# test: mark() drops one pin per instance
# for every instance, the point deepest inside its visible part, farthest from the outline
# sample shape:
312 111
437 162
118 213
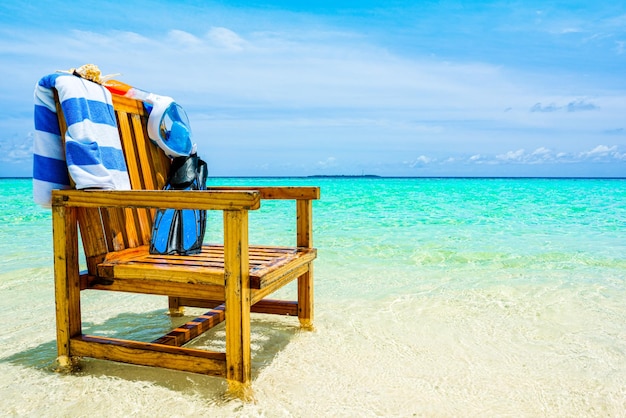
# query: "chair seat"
267 265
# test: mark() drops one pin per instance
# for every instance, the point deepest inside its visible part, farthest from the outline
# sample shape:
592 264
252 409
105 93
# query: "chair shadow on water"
269 335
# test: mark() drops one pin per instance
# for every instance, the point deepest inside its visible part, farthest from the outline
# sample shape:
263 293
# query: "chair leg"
238 355
305 299
237 304
66 284
175 308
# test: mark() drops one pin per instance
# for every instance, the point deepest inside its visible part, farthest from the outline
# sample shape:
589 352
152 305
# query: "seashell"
89 72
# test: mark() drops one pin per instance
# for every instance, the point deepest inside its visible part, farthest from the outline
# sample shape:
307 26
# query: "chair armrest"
303 195
241 199
278 192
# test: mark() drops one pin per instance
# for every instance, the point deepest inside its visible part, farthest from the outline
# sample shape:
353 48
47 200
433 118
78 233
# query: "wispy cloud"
579 105
330 162
542 155
16 149
422 160
226 38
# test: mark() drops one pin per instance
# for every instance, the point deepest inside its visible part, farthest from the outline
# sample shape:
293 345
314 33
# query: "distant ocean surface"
433 297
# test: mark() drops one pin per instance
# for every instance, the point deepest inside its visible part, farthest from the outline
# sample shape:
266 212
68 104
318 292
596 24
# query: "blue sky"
395 88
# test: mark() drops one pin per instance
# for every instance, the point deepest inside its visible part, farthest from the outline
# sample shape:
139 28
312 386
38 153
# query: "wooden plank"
278 192
138 222
269 276
304 210
265 306
237 295
93 237
128 105
164 273
201 302
276 307
259 294
176 199
131 228
192 329
114 227
160 162
204 268
153 287
149 354
127 139
306 298
304 223
66 280
153 172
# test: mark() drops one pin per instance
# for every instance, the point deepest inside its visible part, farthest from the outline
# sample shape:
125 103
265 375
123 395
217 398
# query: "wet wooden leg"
236 271
305 299
175 309
66 283
304 211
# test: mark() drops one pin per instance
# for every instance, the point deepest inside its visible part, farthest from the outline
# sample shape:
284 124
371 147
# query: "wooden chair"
231 280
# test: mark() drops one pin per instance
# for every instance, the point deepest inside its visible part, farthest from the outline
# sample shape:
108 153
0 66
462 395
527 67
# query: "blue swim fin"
181 231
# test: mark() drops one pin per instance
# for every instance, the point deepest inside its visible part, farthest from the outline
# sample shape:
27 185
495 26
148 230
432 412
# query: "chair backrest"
106 230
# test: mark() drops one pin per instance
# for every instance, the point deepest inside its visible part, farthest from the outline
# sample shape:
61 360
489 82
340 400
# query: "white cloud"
542 151
226 38
420 161
512 156
541 155
600 150
184 38
15 149
327 163
603 153
132 38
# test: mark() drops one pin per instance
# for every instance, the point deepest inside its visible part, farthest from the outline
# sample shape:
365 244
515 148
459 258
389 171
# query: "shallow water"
434 297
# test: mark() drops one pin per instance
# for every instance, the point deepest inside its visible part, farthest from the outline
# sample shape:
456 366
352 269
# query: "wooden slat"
138 222
306 298
115 227
160 162
237 295
269 275
164 272
149 354
260 294
265 306
128 141
266 265
66 279
175 199
278 192
153 166
93 237
128 105
151 287
304 211
304 223
276 307
192 329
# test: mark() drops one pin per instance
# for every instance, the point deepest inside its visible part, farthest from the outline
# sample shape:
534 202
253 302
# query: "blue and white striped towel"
93 152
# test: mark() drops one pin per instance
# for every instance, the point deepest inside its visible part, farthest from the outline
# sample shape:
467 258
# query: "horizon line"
375 176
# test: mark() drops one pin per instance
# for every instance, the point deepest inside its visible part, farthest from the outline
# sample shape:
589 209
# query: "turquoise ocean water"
433 297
